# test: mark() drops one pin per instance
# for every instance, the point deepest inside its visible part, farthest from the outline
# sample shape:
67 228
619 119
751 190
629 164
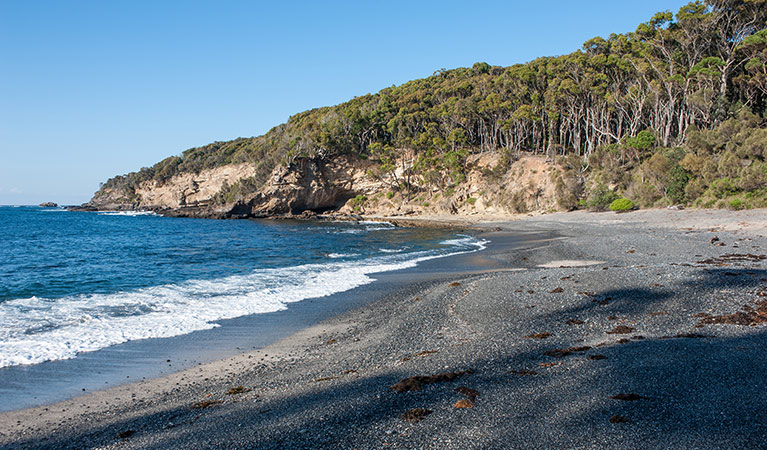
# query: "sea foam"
127 213
34 330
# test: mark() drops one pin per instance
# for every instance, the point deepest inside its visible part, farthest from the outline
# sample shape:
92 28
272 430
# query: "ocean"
77 282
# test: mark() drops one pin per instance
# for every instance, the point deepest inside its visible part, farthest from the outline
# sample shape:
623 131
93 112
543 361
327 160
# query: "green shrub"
471 200
678 178
694 189
358 202
752 177
389 195
642 141
621 204
645 194
736 203
601 197
721 188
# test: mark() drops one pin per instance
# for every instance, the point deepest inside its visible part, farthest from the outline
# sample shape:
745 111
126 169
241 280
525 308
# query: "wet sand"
597 330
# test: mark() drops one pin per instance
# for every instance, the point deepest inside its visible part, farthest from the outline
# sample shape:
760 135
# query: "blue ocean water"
73 282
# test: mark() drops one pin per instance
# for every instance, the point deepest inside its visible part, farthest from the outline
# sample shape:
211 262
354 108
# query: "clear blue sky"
92 89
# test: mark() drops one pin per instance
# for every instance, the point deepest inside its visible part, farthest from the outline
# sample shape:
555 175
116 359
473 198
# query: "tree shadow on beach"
688 388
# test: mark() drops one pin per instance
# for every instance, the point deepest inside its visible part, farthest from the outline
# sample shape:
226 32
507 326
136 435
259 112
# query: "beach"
597 330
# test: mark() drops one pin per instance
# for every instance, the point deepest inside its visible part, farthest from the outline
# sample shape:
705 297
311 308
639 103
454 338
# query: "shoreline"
695 218
327 386
42 384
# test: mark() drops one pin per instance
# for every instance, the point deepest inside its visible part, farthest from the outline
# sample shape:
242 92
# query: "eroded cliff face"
353 186
527 186
349 185
313 185
189 190
185 192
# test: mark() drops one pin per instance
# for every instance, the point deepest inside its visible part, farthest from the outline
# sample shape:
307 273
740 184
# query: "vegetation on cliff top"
673 112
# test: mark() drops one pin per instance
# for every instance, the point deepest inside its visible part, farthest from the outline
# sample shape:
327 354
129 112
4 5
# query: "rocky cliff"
312 184
347 185
183 194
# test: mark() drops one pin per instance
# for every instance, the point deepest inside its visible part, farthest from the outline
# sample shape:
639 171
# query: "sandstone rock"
316 184
344 184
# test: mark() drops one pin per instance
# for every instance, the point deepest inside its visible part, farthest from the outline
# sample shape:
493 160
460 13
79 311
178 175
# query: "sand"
593 332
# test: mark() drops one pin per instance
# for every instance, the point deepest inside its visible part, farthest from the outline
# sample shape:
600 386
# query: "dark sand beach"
639 330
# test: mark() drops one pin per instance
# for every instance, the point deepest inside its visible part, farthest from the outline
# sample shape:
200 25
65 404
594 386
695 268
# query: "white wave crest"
393 250
376 222
33 330
341 255
464 240
127 213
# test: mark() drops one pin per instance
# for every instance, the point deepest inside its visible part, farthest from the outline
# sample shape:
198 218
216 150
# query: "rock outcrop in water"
49 205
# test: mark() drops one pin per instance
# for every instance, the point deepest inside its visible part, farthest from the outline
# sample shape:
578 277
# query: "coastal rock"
313 184
351 185
343 184
49 205
183 195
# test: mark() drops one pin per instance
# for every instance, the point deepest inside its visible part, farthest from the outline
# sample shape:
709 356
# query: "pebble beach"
597 330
